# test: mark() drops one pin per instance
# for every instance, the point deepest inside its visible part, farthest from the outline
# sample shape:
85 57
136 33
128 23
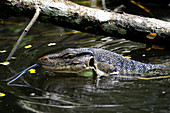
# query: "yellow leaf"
5 63
115 81
3 51
28 46
2 94
157 47
77 32
128 57
32 70
151 36
51 44
142 7
148 49
133 2
125 51
88 27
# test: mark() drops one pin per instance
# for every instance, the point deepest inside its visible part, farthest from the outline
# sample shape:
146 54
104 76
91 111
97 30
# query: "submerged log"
71 15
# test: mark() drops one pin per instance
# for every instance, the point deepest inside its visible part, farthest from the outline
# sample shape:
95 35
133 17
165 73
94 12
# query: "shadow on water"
69 92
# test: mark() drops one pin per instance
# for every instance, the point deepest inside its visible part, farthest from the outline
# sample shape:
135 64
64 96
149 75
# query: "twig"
104 5
119 8
25 32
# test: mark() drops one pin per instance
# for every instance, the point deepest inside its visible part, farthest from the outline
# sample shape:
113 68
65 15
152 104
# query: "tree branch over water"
68 14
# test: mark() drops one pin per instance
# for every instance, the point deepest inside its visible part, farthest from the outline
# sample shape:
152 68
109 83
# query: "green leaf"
88 73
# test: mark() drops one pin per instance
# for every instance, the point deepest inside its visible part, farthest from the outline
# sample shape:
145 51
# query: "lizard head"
69 61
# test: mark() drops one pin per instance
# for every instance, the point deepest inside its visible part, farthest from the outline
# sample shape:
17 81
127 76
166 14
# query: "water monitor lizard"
102 62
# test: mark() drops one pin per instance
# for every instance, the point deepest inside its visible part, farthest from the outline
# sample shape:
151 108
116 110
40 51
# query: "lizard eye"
69 56
91 63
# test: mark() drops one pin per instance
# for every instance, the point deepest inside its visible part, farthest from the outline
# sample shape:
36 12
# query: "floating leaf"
28 46
142 7
5 63
2 94
72 32
125 51
32 71
25 41
51 44
88 73
128 57
3 51
115 81
13 57
88 27
157 47
151 36
148 49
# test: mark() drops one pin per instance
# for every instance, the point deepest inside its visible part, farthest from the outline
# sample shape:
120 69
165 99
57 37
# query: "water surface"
71 93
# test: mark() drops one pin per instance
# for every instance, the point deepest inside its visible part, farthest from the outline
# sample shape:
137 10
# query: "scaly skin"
101 61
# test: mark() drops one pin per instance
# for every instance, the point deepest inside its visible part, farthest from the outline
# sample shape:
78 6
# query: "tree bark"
68 14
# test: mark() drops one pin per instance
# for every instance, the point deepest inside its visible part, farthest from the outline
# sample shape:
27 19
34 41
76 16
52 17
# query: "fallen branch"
25 31
68 14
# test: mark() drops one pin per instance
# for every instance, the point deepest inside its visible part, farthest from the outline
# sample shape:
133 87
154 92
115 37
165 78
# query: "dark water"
71 93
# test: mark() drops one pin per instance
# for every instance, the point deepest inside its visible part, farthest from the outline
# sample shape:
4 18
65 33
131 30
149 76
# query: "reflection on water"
71 93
